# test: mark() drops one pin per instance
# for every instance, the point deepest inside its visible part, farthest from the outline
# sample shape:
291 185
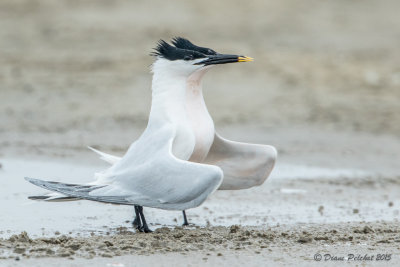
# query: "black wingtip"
35 181
38 197
31 180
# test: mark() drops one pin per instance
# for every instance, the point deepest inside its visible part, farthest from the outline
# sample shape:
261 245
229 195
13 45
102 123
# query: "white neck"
178 100
201 121
168 96
194 93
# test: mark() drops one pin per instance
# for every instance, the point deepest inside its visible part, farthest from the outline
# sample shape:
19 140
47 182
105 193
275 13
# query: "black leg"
185 221
137 222
144 227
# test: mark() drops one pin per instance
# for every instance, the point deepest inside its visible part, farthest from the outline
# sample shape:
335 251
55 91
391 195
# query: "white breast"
200 121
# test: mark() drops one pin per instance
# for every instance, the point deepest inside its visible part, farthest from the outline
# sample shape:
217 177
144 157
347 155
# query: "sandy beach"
324 89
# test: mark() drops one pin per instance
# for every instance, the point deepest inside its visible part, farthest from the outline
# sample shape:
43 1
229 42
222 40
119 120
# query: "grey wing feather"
53 199
148 175
79 191
244 165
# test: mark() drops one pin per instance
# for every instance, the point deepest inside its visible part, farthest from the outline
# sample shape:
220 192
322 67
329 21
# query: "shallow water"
289 196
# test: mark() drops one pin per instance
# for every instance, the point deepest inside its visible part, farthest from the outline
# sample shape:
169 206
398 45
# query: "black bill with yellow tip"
223 59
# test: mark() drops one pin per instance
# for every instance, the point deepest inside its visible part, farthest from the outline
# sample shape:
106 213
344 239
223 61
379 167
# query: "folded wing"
148 175
244 165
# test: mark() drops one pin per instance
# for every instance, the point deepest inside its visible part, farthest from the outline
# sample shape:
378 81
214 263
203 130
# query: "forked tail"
76 191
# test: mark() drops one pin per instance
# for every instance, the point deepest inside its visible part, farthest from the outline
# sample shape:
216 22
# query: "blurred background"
76 73
324 89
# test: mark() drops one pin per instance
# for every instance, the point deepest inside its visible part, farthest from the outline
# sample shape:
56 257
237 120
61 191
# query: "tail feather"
53 199
106 157
79 191
38 197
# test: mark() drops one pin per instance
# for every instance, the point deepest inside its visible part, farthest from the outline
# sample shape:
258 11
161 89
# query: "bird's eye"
188 58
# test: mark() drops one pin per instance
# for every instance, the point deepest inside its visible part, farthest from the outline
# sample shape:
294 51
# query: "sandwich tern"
179 160
244 165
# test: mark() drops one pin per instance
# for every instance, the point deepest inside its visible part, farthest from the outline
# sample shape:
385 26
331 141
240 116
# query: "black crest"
183 43
167 51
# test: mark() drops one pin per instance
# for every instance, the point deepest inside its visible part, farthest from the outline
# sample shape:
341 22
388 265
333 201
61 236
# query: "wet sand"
269 245
301 210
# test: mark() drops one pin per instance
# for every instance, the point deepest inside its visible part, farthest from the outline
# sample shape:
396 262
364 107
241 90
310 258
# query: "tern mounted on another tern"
179 160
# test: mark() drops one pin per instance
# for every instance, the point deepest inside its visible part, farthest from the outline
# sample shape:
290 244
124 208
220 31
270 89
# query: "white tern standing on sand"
179 160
